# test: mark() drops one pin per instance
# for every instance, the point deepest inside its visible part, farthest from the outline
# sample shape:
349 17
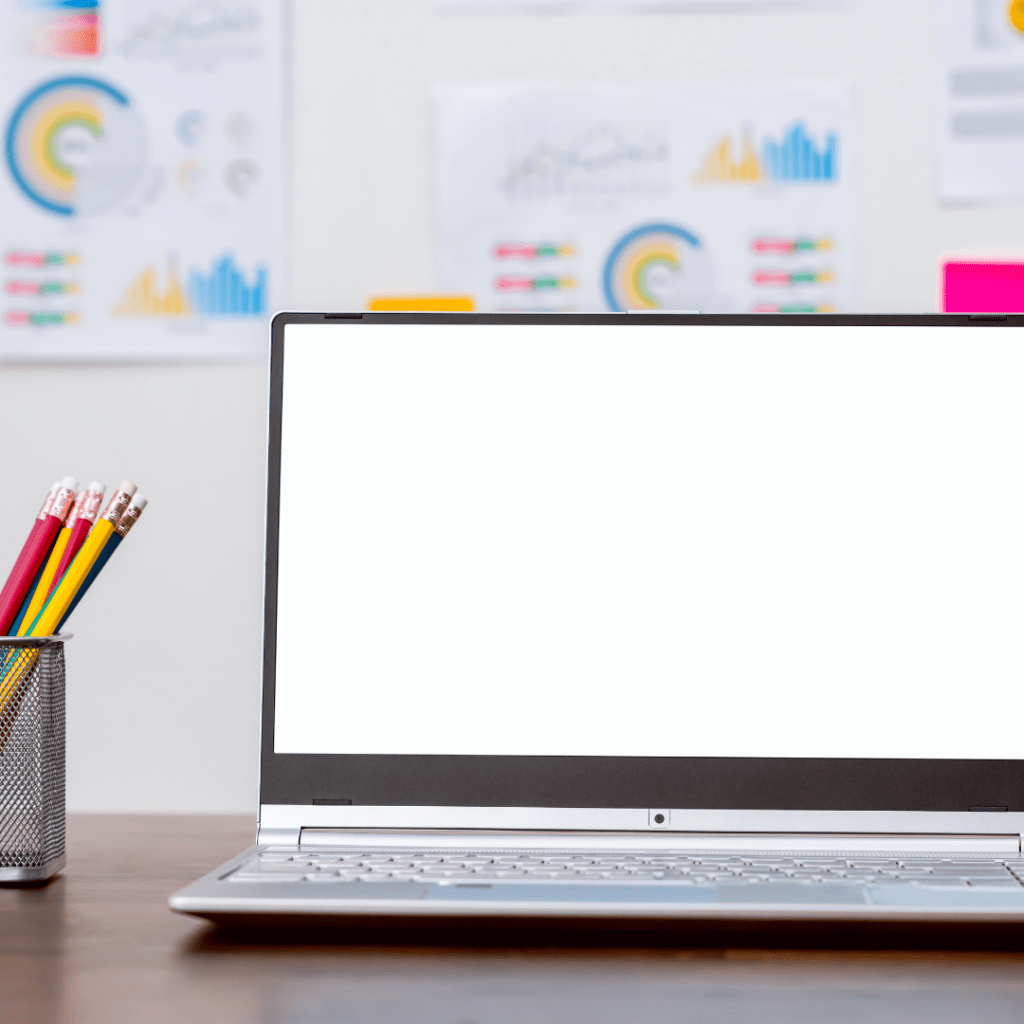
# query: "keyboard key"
322 865
297 868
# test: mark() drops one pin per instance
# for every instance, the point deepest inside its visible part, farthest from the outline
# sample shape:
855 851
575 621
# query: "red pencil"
15 572
83 515
40 538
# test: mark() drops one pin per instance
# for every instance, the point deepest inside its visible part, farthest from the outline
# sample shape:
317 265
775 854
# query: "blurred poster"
639 5
140 197
981 99
718 198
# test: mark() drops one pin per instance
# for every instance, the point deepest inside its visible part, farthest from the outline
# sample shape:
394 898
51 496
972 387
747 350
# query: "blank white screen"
664 541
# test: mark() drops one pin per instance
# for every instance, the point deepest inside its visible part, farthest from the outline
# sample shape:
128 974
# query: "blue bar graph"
224 292
798 158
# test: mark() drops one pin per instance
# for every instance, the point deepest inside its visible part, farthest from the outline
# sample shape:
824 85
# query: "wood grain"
98 944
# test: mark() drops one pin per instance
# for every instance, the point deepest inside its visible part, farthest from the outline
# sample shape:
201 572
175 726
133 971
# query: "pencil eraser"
55 487
128 487
95 485
140 502
70 482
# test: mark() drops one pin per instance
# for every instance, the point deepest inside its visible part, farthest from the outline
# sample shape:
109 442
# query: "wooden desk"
99 946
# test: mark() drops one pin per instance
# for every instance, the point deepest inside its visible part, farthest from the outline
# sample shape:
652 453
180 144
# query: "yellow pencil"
60 600
43 586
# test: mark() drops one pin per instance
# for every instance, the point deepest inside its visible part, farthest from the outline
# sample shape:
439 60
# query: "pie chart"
75 145
658 266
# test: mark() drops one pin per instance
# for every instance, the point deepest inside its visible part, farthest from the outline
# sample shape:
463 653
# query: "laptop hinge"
789 842
277 836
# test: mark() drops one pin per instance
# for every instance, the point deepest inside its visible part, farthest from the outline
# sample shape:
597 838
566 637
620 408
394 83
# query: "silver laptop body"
640 617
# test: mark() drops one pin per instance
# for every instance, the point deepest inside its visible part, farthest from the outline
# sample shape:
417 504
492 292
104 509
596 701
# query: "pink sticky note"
982 287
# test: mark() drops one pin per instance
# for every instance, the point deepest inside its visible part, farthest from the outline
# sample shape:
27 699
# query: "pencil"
115 521
60 599
47 505
36 549
80 522
124 524
20 617
66 546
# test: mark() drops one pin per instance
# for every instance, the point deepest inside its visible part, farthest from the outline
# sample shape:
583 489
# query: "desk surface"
99 945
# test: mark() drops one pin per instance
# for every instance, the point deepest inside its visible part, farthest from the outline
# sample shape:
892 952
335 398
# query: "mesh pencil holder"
31 757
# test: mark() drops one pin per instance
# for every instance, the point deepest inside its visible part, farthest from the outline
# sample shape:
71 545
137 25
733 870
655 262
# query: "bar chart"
224 291
796 157
220 292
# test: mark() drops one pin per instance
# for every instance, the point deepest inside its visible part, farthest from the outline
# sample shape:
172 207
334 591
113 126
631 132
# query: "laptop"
658 617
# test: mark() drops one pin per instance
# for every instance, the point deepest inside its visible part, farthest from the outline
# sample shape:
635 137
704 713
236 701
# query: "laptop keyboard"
323 864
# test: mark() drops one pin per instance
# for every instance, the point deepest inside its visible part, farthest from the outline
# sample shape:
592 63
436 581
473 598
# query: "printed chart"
140 193
981 99
75 145
718 198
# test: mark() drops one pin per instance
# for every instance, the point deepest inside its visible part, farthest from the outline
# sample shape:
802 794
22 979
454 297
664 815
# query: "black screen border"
736 783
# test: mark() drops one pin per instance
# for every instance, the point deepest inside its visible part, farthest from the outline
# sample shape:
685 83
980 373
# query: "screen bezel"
737 783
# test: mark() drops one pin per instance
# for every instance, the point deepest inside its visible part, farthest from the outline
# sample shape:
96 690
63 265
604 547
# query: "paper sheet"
140 198
718 197
981 99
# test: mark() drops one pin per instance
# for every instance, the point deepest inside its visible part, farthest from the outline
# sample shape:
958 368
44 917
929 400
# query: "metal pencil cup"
31 757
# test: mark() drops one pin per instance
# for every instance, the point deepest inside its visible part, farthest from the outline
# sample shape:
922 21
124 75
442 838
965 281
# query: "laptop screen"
631 540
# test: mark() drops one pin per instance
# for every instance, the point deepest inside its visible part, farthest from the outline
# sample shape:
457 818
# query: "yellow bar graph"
142 297
720 165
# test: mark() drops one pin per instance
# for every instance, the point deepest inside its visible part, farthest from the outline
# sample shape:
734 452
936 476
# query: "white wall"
163 676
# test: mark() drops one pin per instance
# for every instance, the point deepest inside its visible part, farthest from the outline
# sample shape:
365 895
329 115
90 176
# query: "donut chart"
74 145
657 266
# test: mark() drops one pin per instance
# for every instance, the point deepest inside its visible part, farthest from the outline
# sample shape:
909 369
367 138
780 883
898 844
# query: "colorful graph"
533 284
143 296
73 35
719 165
221 292
787 246
786 277
545 251
798 158
794 158
74 145
34 258
22 318
657 266
41 287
